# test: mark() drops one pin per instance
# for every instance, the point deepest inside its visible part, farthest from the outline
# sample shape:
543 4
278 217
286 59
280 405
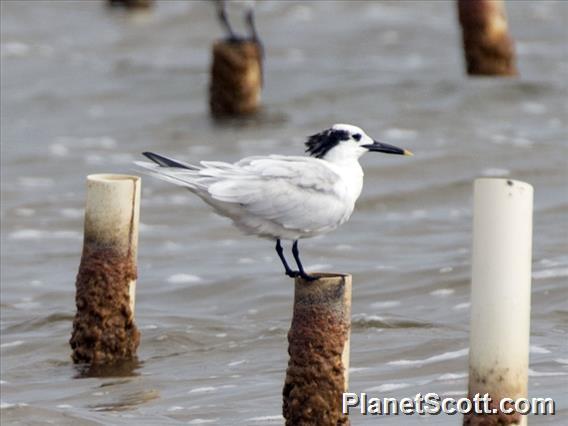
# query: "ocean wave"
431 360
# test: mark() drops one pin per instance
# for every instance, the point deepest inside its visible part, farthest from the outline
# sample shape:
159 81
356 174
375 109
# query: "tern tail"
162 161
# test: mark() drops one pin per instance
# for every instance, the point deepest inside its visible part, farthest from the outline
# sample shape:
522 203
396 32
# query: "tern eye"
357 137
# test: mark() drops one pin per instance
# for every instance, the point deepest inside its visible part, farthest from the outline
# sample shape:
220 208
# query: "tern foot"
307 277
292 274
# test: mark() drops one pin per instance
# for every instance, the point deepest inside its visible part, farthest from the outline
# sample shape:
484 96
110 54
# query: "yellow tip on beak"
407 152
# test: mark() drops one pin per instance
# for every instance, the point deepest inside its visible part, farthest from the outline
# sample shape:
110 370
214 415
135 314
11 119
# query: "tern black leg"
280 252
296 254
249 18
222 15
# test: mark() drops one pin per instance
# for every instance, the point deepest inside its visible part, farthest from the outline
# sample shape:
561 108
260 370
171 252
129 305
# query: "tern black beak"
377 146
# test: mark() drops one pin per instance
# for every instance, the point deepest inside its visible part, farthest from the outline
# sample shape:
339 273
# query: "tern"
282 197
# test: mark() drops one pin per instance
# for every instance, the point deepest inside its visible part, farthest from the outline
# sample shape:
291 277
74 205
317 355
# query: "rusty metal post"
131 4
487 46
103 329
318 369
236 78
500 296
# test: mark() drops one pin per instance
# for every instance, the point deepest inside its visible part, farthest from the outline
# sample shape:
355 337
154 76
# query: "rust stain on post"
487 46
104 331
236 78
103 328
498 382
318 368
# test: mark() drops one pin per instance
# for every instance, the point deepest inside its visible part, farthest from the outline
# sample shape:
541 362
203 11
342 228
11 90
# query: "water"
85 91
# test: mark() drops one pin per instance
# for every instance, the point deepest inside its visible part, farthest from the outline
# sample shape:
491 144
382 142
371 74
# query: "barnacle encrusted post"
103 329
488 49
318 369
236 78
500 297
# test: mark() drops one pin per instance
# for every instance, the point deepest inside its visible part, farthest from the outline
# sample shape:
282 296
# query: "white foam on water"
533 108
4 404
183 279
72 213
58 150
385 304
64 406
35 182
26 305
550 273
400 134
495 172
264 419
149 327
3 382
563 361
507 140
533 373
386 387
202 421
445 269
442 292
319 266
538 350
357 369
175 408
460 306
433 359
221 335
94 159
246 261
235 363
12 344
365 317
453 394
552 262
14 49
25 212
37 234
452 376
203 389
26 234
104 142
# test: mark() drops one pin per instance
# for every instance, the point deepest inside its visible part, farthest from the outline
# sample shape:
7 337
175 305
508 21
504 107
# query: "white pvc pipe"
112 214
501 289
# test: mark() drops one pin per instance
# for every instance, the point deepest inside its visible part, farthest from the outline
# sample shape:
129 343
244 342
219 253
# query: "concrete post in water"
318 369
236 78
131 4
500 295
487 46
103 329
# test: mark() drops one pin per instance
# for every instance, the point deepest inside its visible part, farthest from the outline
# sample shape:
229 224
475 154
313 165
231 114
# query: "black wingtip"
160 160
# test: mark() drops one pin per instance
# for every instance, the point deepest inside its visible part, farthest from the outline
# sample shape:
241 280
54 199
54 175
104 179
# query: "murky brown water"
85 91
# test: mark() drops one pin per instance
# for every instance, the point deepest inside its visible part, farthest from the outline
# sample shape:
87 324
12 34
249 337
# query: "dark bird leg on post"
280 252
222 15
302 273
249 18
131 4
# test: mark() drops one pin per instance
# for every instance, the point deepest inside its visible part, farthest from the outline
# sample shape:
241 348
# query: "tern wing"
299 193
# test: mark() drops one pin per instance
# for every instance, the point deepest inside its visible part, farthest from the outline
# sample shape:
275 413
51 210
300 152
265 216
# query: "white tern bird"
282 197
